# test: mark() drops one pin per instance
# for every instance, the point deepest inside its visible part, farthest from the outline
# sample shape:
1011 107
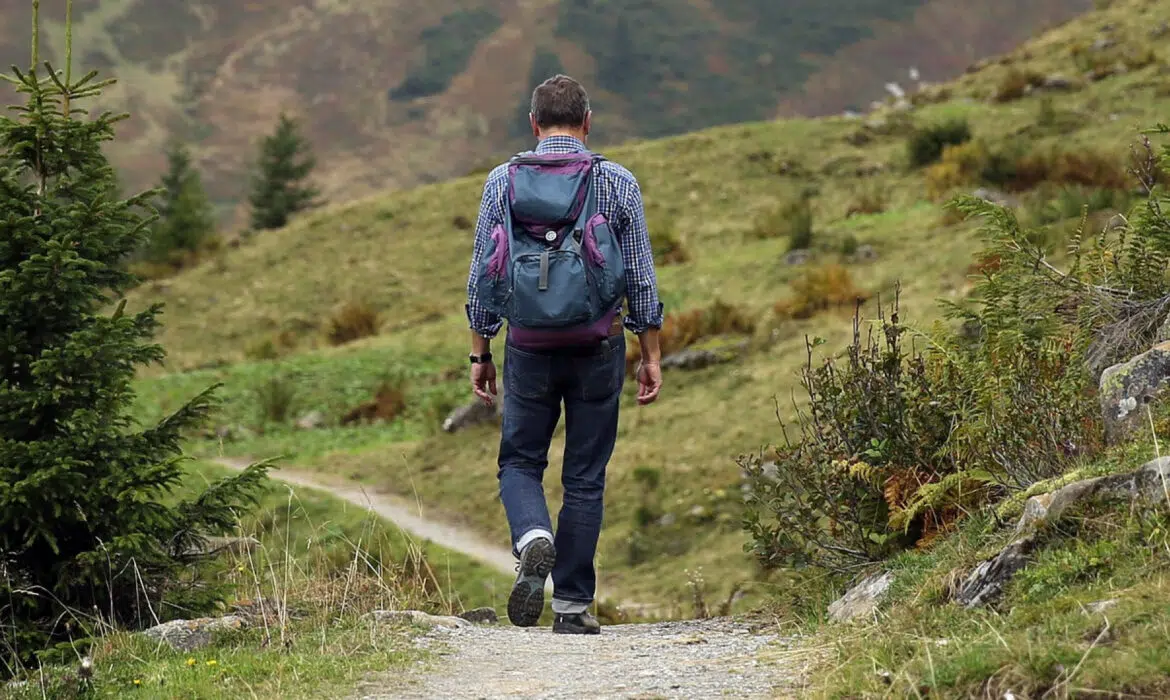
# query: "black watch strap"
480 359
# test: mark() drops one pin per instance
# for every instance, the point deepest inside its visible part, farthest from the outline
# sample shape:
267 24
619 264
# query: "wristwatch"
480 359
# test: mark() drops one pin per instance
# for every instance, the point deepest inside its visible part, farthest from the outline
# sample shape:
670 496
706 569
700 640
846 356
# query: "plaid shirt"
619 198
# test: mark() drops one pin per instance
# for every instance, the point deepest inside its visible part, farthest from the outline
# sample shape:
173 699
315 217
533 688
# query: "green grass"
321 566
320 661
404 253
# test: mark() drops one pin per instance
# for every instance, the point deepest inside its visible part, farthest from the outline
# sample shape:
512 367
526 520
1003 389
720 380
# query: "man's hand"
649 382
483 380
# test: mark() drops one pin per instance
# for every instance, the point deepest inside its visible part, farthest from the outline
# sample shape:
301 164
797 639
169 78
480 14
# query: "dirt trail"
689 659
682 659
402 513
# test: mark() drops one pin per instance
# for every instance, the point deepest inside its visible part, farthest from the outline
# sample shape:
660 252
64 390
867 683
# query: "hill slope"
724 193
400 92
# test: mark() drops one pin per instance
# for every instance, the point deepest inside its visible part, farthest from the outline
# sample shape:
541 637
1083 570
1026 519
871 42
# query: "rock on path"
689 659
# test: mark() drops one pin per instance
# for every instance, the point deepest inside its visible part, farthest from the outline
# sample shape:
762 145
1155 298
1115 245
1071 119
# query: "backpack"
554 268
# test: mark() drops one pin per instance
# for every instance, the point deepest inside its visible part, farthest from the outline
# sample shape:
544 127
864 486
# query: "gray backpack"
554 269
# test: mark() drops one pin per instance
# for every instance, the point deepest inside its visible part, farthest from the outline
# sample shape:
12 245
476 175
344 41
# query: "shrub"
681 330
272 347
1083 167
925 145
820 289
870 200
957 166
873 434
1072 201
1016 83
792 220
353 321
849 245
668 249
389 402
276 399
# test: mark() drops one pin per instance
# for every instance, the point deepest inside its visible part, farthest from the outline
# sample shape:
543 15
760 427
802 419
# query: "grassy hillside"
725 199
403 92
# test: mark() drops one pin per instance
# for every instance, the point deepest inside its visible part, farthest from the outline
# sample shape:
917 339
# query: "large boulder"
1125 390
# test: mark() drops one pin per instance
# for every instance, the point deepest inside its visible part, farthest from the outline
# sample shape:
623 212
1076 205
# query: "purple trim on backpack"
498 263
590 241
534 339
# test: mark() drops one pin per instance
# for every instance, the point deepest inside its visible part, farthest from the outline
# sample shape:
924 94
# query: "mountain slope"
401 92
723 192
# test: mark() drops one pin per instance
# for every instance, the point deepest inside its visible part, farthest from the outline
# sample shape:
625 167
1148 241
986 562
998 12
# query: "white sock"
568 607
531 535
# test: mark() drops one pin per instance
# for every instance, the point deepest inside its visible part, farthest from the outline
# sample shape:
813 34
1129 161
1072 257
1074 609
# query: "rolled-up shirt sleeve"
645 307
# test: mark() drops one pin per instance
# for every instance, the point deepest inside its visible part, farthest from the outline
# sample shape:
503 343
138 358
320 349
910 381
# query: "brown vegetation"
353 321
683 329
388 403
820 289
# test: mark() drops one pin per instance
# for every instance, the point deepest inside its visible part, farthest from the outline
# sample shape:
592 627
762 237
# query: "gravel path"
688 659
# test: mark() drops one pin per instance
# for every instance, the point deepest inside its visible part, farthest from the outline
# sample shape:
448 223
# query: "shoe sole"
526 603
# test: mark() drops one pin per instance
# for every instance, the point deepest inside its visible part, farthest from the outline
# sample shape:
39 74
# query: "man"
543 369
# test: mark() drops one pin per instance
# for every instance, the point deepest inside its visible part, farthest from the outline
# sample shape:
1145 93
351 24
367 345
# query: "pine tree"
87 519
185 215
280 188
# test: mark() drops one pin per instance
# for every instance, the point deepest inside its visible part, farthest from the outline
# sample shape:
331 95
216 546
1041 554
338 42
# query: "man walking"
560 244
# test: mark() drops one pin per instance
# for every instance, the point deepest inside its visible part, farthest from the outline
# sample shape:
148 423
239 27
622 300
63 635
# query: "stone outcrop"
862 600
480 615
1146 486
703 357
189 635
417 617
474 413
1125 390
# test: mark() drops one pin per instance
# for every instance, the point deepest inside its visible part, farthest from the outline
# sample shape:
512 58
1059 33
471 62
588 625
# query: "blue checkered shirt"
619 198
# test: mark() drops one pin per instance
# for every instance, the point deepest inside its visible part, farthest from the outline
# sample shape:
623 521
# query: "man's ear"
532 123
588 125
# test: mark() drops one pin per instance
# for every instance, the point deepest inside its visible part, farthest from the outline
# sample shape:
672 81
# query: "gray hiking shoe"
526 602
579 623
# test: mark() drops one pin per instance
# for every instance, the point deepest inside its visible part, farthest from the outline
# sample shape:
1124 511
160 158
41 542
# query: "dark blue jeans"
589 383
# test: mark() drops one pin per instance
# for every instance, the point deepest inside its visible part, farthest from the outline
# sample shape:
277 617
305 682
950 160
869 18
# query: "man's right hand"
483 380
649 382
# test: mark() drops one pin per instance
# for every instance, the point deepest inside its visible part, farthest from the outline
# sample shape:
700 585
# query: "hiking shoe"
526 602
579 623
